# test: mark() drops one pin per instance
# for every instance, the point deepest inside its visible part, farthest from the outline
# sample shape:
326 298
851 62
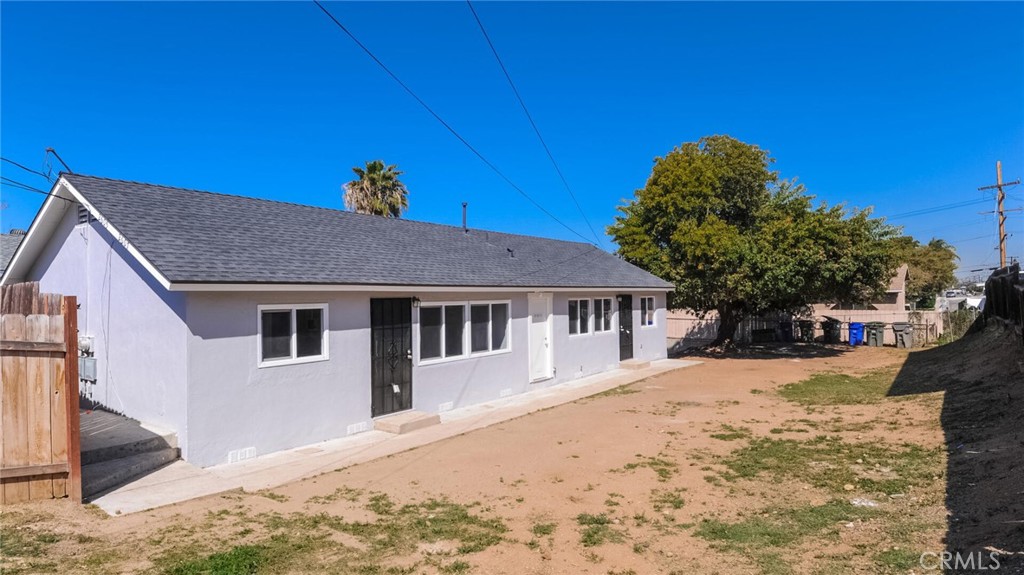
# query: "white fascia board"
35 239
229 287
117 235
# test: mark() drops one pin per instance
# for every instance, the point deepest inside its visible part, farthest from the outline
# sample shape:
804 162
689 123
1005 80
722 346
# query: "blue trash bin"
856 333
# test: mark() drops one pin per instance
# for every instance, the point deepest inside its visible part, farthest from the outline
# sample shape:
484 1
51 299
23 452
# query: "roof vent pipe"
464 227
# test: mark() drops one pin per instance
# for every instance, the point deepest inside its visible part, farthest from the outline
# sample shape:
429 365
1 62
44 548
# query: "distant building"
895 298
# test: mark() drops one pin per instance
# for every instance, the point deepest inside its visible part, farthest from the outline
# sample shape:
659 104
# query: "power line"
933 209
444 123
30 170
529 117
18 185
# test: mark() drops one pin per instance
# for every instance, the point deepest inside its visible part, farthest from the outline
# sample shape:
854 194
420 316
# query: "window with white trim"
579 316
292 334
647 311
488 327
602 314
442 330
463 329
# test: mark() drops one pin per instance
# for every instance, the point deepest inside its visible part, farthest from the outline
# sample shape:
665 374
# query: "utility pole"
1000 212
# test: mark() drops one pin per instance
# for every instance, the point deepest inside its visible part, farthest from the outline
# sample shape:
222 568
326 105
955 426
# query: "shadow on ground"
983 422
768 351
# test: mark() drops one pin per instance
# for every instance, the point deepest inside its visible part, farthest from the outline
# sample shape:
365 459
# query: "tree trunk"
729 318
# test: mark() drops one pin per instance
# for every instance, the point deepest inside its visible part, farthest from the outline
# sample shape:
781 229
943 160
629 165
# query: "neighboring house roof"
8 245
899 281
197 237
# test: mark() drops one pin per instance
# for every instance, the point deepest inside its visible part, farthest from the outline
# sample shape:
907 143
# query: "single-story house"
248 326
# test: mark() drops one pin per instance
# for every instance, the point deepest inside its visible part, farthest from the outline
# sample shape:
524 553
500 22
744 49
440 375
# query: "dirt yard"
788 461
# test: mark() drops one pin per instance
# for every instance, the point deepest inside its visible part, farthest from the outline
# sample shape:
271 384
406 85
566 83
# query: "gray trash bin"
904 333
875 333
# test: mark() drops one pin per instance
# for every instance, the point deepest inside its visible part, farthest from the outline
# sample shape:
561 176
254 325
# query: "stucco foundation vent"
241 454
357 428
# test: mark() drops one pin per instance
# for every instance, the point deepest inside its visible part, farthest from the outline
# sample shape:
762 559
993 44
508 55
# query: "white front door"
540 336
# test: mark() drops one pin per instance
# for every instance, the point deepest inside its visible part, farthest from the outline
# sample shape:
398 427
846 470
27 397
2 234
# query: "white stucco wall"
583 354
462 382
235 405
138 327
649 343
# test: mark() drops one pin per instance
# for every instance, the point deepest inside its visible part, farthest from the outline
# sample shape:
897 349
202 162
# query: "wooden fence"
1004 295
39 445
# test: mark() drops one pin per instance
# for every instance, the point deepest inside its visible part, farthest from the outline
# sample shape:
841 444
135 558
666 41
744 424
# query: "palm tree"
377 191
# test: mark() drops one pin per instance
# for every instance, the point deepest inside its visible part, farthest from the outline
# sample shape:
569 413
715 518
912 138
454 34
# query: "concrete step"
105 475
131 446
634 364
406 421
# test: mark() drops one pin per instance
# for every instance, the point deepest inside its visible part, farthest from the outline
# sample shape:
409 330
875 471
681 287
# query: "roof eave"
311 287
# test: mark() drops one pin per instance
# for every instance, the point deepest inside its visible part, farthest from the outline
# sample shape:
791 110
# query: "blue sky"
898 106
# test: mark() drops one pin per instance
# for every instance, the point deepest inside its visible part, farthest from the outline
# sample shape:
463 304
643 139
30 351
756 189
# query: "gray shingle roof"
192 236
8 245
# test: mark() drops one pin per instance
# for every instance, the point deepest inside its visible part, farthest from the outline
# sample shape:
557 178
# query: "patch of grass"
663 499
829 463
399 530
381 504
240 560
840 388
455 567
730 433
282 552
542 529
778 528
781 430
343 493
664 468
895 560
16 542
771 564
597 529
274 496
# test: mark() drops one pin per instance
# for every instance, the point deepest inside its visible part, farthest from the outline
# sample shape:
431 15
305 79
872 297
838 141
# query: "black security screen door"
625 327
391 353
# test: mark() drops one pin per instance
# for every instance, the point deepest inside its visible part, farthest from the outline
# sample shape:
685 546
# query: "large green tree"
932 268
717 221
377 190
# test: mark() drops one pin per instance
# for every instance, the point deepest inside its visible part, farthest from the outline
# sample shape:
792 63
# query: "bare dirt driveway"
786 462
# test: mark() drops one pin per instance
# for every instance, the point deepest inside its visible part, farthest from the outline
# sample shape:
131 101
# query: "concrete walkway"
182 481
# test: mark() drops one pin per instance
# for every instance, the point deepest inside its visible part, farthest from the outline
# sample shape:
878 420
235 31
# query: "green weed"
829 463
597 529
840 389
